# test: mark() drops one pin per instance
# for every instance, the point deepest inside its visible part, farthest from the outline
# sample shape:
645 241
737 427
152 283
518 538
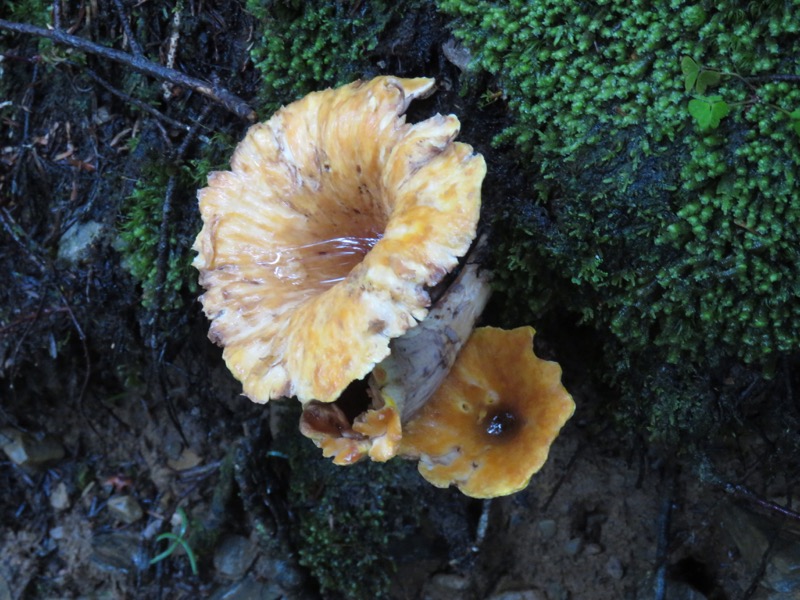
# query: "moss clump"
690 234
306 46
682 242
349 518
140 225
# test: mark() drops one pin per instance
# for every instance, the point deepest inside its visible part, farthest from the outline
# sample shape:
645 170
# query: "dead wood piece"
218 94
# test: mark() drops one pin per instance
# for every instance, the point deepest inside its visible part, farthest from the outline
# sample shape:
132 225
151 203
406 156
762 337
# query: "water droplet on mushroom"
501 423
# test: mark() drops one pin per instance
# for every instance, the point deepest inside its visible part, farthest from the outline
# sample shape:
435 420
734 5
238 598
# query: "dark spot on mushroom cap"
501 424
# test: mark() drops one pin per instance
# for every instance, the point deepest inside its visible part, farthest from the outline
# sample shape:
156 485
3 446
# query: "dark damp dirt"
133 468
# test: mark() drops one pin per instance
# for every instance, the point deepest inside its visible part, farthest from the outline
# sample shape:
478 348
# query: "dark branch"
138 103
776 77
126 27
218 94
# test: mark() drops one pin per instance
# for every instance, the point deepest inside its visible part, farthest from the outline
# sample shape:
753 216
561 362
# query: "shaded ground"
120 424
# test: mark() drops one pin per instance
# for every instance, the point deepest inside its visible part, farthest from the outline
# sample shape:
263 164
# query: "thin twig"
57 14
741 492
126 27
483 525
565 473
172 49
27 102
33 317
162 260
218 94
11 227
138 103
662 547
775 77
762 567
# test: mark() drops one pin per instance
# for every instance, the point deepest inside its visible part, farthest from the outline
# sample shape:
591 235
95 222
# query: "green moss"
306 46
140 225
350 518
35 12
681 243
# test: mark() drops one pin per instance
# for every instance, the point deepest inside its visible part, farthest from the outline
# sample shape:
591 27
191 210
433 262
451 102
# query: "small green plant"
176 540
708 111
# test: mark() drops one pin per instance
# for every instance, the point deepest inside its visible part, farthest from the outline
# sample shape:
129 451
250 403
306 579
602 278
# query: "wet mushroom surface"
654 253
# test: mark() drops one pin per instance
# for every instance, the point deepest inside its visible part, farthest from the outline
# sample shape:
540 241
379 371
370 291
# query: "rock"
446 586
187 459
547 528
29 451
234 556
118 552
457 54
592 549
125 508
614 568
249 589
573 546
59 497
556 591
448 581
76 243
5 589
752 533
284 573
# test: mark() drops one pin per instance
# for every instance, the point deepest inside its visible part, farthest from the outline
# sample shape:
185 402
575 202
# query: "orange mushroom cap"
375 433
318 245
490 425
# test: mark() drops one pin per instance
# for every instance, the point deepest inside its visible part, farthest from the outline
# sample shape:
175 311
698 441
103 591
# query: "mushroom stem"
422 357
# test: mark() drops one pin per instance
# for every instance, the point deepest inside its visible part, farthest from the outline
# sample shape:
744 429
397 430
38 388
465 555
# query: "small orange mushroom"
401 383
319 245
375 433
489 427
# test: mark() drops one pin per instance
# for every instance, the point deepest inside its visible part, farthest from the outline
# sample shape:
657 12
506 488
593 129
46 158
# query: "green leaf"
690 71
706 79
719 109
708 111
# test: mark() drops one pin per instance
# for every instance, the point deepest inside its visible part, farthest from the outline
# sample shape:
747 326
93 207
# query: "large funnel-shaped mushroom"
490 425
319 244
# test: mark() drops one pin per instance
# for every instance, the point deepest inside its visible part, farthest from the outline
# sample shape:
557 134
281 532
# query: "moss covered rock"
671 230
306 46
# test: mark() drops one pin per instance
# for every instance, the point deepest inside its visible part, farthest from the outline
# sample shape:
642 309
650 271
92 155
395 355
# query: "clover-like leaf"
705 80
690 71
708 111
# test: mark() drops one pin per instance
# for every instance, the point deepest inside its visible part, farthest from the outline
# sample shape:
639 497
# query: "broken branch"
218 94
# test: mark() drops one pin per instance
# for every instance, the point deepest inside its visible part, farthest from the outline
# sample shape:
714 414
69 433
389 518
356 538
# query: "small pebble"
28 451
118 551
125 508
59 497
234 556
614 568
450 581
573 546
547 528
592 549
